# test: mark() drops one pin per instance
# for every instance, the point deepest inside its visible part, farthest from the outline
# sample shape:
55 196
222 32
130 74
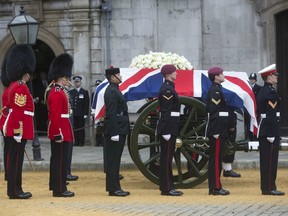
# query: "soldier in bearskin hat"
4 113
18 127
59 130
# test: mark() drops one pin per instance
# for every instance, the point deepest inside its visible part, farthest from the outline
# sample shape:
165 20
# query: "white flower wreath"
158 59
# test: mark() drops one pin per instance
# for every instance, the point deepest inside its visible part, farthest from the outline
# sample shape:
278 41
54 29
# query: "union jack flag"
139 84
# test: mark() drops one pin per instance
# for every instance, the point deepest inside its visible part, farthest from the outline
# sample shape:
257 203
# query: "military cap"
168 69
4 78
77 78
111 71
253 76
215 71
20 60
98 82
61 66
271 69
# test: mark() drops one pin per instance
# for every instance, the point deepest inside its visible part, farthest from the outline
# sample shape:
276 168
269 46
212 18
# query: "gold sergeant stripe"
167 98
272 105
216 101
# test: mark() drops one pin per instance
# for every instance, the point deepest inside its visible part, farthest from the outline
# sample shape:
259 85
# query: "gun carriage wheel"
191 153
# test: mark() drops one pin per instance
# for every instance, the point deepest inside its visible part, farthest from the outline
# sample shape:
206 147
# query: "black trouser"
58 167
113 155
268 163
6 156
165 169
15 163
79 122
215 162
69 157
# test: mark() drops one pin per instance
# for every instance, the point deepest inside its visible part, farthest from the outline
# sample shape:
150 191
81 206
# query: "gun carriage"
192 150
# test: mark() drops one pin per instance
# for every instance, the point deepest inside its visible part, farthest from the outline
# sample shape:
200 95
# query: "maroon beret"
215 70
168 69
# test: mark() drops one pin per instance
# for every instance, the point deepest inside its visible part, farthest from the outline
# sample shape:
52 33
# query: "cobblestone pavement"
91 198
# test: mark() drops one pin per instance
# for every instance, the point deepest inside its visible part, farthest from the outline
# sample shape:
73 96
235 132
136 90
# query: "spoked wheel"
191 153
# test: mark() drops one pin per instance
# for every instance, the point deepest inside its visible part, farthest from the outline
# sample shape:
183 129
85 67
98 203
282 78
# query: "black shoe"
63 194
119 193
219 192
171 193
231 173
24 195
273 192
71 178
121 177
67 183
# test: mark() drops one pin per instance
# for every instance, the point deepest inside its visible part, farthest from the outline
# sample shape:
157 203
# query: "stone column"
81 47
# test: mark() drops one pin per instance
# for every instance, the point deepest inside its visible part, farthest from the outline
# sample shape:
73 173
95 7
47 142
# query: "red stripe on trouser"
217 155
270 167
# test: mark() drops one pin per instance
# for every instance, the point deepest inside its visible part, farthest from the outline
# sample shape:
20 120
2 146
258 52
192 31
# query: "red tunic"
58 115
19 121
5 108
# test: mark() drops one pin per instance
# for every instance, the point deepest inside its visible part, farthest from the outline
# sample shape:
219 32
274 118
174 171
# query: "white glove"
85 116
167 137
115 138
17 138
216 136
271 139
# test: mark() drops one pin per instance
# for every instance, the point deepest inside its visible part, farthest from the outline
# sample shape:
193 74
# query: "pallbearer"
268 109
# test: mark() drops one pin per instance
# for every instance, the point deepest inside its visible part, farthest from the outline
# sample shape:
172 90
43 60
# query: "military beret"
215 71
271 69
111 71
168 69
253 76
61 66
20 60
77 78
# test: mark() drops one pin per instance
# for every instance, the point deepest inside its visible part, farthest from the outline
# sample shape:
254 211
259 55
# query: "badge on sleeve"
20 99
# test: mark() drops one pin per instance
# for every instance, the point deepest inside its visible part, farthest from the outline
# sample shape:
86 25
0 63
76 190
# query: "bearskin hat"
20 60
61 66
4 78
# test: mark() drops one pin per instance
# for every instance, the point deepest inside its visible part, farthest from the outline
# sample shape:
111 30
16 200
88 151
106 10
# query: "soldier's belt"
64 115
223 114
263 115
29 113
175 114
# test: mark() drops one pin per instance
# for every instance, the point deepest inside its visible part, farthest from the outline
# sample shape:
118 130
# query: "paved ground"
91 198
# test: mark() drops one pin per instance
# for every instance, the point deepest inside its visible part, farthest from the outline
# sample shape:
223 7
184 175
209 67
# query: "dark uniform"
217 132
19 125
268 105
116 123
80 106
218 114
168 124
